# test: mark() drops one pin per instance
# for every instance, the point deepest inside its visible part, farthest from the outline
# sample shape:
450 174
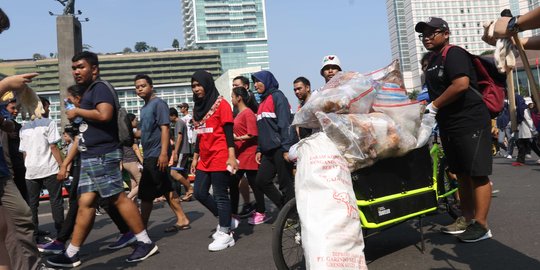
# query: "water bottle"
68 181
71 106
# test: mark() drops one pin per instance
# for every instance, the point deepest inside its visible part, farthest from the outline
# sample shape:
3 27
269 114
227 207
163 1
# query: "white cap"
330 60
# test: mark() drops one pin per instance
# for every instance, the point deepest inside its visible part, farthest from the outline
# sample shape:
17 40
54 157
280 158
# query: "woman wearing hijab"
214 159
275 139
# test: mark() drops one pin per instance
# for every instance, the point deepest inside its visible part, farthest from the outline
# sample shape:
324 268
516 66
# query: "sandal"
177 227
188 197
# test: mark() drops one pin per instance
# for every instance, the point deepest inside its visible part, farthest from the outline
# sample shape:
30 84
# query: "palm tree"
141 46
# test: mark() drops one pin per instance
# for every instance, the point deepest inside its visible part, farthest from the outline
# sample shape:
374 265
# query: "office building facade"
236 28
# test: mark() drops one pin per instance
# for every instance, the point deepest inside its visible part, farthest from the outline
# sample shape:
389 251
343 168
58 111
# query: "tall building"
237 28
465 19
170 71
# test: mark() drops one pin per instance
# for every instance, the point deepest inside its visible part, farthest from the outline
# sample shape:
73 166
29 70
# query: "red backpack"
491 83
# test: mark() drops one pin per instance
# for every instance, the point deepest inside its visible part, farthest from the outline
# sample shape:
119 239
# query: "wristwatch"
513 26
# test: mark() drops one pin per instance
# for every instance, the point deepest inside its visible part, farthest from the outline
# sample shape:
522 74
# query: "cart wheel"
286 239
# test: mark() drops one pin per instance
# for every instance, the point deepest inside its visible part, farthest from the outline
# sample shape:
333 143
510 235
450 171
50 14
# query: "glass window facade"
236 28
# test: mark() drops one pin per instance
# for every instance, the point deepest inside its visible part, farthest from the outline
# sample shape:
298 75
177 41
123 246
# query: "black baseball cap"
432 22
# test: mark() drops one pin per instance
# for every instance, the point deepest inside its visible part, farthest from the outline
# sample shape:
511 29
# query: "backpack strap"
444 52
111 88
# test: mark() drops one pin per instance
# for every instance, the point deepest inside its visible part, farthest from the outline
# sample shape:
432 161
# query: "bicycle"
287 235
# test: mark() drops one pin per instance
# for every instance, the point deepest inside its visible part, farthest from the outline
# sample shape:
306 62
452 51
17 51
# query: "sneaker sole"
152 252
485 236
131 241
48 251
453 232
230 244
75 264
257 223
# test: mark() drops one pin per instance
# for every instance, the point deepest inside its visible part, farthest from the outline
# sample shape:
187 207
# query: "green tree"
152 49
37 56
141 46
127 50
175 44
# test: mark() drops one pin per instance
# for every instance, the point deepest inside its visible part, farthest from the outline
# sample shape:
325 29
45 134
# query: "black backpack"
125 131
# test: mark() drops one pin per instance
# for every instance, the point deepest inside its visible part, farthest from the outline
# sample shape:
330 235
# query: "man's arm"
15 82
163 160
177 146
56 153
453 92
531 43
72 153
102 113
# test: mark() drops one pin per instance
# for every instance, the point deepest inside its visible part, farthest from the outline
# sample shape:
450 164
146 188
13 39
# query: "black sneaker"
63 260
474 233
247 210
142 251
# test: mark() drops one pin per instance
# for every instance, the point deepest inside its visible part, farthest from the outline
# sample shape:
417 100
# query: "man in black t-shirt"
465 128
100 163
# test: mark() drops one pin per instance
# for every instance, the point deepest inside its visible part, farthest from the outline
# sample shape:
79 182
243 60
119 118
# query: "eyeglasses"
429 36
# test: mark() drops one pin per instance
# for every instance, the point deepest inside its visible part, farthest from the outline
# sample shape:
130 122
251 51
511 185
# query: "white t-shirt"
36 139
187 119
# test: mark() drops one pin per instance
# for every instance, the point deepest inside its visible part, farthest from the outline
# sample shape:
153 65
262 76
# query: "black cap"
432 22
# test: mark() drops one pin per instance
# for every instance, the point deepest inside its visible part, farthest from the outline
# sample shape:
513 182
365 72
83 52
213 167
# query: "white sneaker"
234 225
222 241
528 156
538 161
509 157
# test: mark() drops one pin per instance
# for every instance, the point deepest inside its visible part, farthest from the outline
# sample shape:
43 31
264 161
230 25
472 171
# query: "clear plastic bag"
364 138
406 115
390 94
346 92
390 74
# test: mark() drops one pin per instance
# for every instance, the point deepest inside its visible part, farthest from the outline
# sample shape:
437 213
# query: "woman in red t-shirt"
245 139
214 159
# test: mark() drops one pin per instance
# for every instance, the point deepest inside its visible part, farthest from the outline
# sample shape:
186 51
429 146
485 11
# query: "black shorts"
154 182
469 154
183 163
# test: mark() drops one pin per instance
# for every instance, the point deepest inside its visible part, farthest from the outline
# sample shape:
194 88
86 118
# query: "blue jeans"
218 203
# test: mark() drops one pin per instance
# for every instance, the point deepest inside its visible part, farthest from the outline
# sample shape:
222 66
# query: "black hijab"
203 105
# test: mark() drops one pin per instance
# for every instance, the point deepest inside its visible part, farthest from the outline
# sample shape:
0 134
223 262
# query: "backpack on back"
125 131
491 83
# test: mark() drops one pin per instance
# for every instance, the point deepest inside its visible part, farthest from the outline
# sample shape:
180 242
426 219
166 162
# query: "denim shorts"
102 174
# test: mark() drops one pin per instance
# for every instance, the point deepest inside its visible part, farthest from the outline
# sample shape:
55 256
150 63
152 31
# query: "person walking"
274 140
245 138
100 164
214 160
71 167
131 162
180 155
155 143
42 159
465 127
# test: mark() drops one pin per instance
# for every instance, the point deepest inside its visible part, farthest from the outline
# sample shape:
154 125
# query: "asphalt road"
514 221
